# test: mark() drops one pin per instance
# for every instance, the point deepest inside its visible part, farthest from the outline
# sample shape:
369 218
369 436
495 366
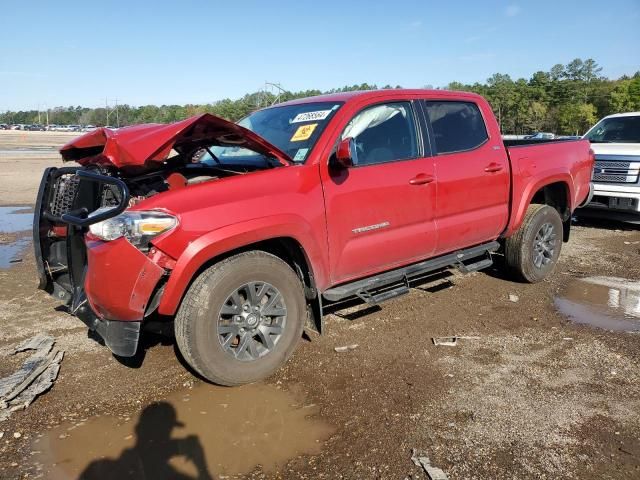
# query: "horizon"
407 46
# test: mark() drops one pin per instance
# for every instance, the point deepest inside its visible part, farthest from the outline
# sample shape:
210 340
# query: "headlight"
137 227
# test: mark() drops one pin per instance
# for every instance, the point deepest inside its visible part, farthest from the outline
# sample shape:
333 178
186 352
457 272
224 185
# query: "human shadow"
154 448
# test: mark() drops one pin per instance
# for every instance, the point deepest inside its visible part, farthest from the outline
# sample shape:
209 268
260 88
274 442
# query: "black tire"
197 322
522 250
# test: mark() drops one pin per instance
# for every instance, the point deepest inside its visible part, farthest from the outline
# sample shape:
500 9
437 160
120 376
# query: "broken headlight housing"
139 227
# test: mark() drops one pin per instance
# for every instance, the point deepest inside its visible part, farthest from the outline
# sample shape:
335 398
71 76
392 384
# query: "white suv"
616 175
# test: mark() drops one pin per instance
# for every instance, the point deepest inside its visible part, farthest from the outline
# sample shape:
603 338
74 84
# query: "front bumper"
108 285
119 280
120 337
615 197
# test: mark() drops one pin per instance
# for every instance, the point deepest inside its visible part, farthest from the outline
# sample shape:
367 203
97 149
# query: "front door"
380 210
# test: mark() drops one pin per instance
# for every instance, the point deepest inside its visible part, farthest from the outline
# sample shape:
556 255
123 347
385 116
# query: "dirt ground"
534 396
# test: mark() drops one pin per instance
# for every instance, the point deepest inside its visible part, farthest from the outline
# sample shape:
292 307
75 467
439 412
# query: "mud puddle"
15 219
204 432
604 302
10 252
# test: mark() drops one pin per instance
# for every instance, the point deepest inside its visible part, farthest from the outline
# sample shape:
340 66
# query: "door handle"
421 179
493 167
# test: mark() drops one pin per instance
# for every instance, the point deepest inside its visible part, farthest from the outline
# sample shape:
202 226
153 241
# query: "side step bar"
363 288
474 267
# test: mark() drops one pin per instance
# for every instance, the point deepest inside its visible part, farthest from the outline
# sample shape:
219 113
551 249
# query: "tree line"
566 100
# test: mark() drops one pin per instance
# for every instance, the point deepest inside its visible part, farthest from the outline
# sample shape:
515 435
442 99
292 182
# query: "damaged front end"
93 239
107 285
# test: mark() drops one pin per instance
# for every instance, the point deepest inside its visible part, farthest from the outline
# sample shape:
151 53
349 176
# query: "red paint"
120 279
142 144
412 209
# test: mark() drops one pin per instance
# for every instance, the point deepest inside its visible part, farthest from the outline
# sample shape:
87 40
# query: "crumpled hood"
138 145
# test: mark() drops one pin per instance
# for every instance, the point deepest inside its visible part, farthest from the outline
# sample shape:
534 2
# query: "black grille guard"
81 217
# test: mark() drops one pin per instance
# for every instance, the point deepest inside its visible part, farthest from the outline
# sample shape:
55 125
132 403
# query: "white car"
616 175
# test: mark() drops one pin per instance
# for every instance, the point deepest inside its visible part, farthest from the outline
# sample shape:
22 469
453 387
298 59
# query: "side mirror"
346 154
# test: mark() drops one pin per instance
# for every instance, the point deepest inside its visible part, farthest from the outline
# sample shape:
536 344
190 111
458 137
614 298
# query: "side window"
457 126
383 133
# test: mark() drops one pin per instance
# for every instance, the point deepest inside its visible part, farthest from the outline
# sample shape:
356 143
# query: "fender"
235 236
520 201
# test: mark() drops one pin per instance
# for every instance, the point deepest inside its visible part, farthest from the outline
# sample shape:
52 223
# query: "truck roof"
346 96
626 114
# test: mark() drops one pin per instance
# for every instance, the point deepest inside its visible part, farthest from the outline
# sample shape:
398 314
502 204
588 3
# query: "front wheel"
241 318
533 251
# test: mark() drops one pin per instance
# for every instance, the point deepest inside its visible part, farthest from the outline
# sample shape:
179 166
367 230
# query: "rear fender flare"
236 236
521 204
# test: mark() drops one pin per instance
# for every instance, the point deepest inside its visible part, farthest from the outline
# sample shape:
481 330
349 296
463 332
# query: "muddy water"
10 252
13 220
191 434
605 302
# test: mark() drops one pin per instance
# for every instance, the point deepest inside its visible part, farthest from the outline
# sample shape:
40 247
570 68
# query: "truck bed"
532 141
567 163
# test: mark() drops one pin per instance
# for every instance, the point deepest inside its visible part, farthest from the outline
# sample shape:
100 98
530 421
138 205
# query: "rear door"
380 211
472 172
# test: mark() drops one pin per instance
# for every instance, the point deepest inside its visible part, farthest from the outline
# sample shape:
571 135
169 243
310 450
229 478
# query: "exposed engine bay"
175 173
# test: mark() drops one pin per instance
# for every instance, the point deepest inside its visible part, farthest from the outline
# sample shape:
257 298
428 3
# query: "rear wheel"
241 319
533 251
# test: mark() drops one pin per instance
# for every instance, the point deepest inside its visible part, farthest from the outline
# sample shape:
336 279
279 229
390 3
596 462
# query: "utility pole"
279 89
46 112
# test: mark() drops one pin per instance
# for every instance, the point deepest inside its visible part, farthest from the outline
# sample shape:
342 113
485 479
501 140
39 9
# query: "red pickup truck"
243 233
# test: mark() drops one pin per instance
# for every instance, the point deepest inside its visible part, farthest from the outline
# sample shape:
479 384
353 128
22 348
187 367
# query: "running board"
374 298
364 288
474 267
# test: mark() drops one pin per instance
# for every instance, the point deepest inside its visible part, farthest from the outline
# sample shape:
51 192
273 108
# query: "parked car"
616 177
36 127
540 136
4 126
246 232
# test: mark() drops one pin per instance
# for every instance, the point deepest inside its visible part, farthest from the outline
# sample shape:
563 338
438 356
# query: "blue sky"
77 53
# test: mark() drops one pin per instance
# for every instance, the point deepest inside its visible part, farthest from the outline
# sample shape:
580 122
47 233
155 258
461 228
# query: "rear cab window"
455 126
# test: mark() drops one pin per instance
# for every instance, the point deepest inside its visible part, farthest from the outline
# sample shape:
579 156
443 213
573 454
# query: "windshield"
294 129
615 130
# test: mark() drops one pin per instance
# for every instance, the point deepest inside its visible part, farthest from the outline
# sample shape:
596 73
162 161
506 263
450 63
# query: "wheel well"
292 252
556 195
285 248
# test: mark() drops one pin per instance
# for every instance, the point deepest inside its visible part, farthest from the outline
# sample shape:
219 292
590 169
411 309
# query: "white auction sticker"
311 116
300 154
